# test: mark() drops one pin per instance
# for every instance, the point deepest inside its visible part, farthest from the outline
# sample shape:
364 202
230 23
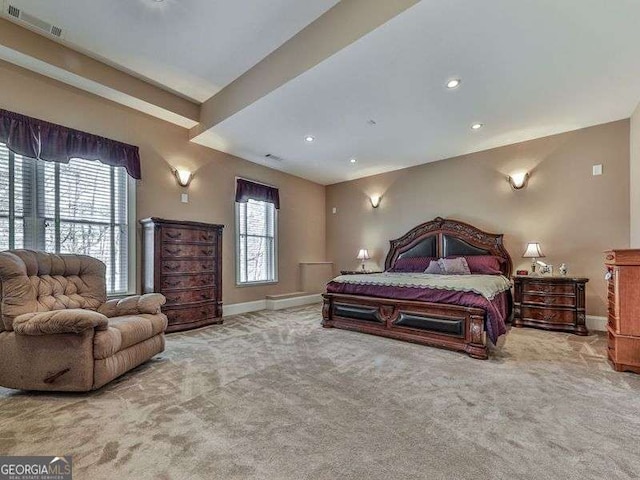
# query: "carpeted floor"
272 395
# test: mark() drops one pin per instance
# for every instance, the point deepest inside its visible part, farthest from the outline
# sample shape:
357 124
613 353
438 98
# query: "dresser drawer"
187 266
548 287
182 297
549 300
548 315
190 314
175 250
174 234
187 281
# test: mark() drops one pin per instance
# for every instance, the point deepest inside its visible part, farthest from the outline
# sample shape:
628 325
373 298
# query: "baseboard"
246 307
257 305
293 302
598 324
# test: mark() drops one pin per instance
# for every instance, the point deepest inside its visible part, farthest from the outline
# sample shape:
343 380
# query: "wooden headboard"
445 237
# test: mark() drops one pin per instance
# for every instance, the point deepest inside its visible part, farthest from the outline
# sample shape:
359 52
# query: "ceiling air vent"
33 21
276 158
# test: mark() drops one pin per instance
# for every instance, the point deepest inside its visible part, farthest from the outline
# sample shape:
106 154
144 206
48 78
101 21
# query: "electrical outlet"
597 169
184 198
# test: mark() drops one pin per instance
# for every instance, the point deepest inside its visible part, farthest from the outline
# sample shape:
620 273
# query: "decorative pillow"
434 268
484 264
454 266
411 264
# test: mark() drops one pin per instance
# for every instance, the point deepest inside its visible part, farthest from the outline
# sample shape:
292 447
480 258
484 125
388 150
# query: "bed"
461 313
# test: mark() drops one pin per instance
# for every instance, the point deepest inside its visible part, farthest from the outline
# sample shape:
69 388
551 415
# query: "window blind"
256 222
79 207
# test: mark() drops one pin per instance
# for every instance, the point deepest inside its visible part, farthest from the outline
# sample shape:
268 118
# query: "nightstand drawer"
548 315
549 300
548 287
551 303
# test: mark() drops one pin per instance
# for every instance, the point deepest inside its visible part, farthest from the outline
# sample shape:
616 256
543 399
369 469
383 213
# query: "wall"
301 225
634 178
574 215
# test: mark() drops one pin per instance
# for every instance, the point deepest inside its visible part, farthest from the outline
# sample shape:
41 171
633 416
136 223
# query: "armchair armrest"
73 320
135 305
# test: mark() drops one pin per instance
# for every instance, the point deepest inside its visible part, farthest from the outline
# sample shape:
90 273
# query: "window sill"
256 284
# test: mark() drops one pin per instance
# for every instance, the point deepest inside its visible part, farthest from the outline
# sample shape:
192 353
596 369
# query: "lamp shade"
533 251
363 254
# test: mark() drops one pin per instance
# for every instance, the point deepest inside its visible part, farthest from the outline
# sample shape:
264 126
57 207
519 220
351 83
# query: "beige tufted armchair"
59 332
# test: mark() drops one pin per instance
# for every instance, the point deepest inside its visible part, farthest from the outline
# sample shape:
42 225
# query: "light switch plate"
184 198
334 211
597 169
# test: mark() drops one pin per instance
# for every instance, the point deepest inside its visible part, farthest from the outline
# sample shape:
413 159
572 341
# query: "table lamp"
533 252
363 255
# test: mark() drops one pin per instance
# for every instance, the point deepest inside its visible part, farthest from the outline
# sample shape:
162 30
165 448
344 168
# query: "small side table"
550 303
358 272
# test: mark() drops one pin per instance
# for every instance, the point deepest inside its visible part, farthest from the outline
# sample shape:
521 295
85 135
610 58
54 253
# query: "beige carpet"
272 395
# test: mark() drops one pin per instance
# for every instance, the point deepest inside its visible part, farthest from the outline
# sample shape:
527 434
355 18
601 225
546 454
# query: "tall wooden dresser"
623 275
183 261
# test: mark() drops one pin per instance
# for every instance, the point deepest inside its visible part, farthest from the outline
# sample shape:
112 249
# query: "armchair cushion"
126 331
134 305
59 321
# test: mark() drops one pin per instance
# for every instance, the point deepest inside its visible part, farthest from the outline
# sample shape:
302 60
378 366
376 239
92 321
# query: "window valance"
36 138
246 190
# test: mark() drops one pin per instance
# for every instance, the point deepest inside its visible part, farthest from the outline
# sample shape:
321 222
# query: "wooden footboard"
446 326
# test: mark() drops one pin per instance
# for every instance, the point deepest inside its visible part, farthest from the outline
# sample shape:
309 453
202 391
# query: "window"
80 207
256 242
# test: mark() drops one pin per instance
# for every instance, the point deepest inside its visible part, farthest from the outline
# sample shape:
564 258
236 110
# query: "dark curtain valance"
246 190
36 138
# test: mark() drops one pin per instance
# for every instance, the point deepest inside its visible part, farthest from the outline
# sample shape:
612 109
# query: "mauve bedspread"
498 309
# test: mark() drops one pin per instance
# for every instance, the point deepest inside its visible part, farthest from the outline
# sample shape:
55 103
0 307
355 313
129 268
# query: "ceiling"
529 68
192 47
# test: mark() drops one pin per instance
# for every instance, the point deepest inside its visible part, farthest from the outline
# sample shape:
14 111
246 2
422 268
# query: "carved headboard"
444 237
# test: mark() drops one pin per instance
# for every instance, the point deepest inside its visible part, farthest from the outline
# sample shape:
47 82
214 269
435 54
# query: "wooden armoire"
183 261
623 278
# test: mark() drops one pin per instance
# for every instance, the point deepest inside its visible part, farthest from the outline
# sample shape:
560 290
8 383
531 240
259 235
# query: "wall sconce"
375 200
183 176
519 180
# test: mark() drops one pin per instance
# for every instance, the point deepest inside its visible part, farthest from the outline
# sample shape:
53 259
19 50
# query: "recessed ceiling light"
309 138
353 160
453 83
477 126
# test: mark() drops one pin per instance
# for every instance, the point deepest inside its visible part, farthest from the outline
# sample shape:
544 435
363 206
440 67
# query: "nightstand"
358 272
550 303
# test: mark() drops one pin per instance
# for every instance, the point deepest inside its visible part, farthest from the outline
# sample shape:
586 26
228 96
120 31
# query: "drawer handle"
204 296
172 284
206 252
174 235
204 312
204 236
171 267
549 317
550 301
172 252
204 266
